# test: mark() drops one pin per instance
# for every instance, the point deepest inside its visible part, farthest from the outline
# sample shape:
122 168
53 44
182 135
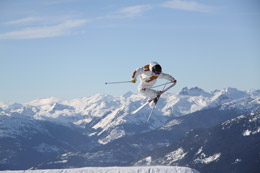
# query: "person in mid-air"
148 77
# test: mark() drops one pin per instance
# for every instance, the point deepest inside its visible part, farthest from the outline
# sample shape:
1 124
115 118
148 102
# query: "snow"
44 101
248 132
199 151
175 155
252 118
114 134
237 161
228 123
143 169
207 160
171 124
145 161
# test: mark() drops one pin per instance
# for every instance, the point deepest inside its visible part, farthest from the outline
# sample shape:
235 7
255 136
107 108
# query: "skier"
148 76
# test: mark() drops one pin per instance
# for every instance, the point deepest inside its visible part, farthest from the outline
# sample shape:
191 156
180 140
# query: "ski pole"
161 85
117 82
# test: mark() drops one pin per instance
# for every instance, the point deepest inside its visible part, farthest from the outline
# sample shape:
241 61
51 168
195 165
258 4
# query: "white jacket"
147 77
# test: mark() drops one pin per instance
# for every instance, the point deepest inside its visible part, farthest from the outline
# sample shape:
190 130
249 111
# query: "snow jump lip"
133 169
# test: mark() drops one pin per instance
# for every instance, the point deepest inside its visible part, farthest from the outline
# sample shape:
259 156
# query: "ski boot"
155 100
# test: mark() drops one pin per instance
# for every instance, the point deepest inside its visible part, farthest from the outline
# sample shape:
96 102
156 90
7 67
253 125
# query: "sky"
70 48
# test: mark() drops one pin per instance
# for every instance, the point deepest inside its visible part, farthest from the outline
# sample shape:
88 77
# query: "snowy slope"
148 169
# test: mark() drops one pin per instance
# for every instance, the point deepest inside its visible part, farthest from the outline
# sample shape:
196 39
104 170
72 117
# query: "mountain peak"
195 91
231 90
128 94
45 101
231 93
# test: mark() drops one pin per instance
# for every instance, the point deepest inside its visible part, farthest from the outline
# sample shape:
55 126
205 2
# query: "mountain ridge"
232 145
100 131
106 111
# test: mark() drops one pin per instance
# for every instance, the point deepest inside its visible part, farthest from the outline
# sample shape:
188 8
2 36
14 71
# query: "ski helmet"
155 67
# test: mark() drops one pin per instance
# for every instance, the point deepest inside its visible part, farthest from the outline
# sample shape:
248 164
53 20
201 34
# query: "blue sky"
70 48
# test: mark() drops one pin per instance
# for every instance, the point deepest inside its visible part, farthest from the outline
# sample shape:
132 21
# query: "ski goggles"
157 72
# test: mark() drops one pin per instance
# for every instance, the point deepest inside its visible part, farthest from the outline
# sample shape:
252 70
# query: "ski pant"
148 92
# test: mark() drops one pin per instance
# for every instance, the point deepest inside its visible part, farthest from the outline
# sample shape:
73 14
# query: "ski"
141 107
149 101
153 109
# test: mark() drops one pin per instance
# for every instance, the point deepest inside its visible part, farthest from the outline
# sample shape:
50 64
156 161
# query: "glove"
133 80
174 81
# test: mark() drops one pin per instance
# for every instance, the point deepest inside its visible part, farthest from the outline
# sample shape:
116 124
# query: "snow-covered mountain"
82 111
84 132
103 114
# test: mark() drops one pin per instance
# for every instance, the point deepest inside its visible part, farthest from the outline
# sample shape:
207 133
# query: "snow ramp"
142 169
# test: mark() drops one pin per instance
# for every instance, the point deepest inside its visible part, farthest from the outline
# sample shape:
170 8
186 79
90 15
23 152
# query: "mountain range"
101 131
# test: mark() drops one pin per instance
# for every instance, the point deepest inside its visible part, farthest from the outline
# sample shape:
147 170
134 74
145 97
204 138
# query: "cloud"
187 5
45 31
134 11
128 12
23 21
64 28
